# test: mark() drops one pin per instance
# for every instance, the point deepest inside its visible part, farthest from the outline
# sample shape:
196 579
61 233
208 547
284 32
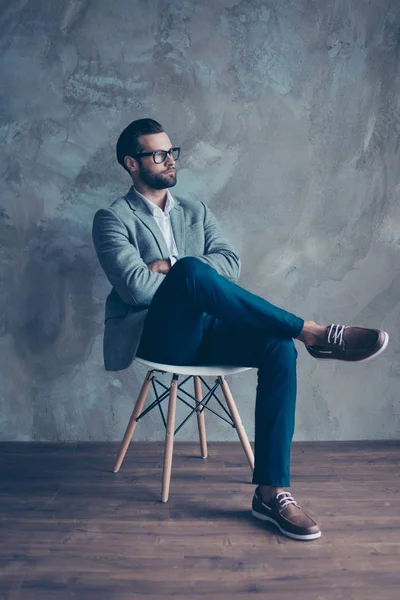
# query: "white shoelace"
335 335
286 500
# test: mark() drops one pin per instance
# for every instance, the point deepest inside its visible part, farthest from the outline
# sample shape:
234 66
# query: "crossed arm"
160 266
134 280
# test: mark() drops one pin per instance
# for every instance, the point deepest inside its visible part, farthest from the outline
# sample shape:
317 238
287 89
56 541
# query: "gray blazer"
127 238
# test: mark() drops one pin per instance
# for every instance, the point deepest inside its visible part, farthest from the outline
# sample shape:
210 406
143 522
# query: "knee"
286 350
280 353
191 265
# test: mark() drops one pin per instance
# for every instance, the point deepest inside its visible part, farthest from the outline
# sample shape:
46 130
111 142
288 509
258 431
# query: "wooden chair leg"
238 421
169 439
132 421
201 422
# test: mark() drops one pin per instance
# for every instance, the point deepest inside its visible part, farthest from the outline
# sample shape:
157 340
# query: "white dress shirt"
164 223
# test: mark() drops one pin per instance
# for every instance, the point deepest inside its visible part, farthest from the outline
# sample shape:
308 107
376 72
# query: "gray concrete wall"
287 112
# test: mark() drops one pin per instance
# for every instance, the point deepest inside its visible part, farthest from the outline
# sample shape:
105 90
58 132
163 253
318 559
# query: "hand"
160 266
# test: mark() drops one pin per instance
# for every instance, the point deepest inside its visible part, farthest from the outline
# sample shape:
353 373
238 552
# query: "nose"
170 161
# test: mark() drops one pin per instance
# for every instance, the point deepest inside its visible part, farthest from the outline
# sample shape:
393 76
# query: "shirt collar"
156 210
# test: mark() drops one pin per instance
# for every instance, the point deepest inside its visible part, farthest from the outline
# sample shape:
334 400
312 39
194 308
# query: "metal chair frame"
175 392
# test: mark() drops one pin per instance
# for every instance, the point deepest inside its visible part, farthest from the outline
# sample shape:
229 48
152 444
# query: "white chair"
201 404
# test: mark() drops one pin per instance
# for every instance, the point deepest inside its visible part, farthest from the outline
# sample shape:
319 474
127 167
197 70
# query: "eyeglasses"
159 156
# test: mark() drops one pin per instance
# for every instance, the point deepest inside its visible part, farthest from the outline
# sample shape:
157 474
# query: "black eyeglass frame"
166 152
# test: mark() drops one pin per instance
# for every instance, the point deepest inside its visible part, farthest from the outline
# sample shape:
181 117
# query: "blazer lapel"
178 227
142 212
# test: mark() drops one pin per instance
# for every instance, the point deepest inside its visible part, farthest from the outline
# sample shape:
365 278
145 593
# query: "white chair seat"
204 371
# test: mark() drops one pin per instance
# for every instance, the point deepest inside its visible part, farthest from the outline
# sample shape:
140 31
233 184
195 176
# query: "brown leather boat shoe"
284 512
354 344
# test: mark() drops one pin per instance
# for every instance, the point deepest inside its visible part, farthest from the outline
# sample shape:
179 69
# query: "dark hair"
128 145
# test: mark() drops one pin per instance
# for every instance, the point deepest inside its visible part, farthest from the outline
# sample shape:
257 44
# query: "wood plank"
73 529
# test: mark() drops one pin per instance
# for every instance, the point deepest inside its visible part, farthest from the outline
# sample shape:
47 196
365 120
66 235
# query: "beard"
158 181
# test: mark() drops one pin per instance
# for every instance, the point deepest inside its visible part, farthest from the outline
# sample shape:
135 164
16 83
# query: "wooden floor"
70 528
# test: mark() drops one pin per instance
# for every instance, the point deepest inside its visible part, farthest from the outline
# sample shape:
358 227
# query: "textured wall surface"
288 115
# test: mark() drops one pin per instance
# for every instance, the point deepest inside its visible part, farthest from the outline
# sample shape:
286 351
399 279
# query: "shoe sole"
294 536
384 345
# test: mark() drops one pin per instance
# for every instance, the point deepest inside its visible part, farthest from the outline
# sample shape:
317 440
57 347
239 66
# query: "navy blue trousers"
199 317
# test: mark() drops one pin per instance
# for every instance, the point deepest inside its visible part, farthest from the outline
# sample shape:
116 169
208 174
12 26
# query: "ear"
131 163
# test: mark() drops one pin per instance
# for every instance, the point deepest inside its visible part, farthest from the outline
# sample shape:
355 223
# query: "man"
175 300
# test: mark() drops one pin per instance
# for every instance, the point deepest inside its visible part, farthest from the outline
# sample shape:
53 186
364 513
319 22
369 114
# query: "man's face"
156 176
